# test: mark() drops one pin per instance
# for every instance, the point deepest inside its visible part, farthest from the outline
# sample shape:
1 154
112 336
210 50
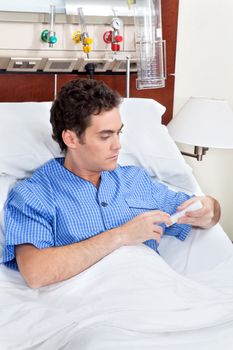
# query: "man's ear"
69 138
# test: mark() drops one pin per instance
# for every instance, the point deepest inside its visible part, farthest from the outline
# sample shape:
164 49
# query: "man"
75 210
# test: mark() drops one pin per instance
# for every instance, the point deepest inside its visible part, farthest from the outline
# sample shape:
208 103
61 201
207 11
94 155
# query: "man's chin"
111 167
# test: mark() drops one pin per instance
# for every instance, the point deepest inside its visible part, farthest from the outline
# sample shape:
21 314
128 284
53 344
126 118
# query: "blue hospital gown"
55 207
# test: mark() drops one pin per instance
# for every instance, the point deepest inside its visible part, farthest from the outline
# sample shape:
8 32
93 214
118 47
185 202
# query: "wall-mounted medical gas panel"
73 33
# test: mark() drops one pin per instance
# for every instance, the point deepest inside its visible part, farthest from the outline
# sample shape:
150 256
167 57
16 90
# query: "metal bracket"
199 152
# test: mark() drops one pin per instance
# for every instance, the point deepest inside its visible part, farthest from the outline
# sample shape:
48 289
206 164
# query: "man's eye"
104 137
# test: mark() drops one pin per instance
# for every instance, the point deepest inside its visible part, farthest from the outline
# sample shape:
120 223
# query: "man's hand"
205 217
143 227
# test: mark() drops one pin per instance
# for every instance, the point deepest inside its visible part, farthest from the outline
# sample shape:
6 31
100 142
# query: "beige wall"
204 67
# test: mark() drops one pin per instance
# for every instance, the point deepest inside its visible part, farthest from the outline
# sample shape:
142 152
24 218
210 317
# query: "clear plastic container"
150 48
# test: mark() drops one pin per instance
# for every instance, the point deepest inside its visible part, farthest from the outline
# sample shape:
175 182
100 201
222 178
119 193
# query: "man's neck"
93 177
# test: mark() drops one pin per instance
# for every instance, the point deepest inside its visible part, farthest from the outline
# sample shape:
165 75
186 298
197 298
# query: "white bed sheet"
131 299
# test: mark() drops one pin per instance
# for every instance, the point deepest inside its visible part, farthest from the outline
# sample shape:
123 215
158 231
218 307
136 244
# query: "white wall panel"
204 68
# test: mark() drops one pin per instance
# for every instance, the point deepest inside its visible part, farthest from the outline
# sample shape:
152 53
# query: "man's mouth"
114 157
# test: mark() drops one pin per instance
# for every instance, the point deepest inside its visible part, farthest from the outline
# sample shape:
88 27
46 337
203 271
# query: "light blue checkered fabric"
56 208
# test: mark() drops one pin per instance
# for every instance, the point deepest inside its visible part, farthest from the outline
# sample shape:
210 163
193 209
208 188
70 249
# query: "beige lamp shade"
204 122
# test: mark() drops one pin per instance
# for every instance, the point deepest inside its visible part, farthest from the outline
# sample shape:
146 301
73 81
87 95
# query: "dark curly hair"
76 103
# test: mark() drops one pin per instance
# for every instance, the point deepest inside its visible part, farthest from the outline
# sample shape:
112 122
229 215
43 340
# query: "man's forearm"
41 267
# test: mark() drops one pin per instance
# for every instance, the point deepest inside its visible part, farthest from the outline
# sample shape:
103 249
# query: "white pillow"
26 142
147 143
25 137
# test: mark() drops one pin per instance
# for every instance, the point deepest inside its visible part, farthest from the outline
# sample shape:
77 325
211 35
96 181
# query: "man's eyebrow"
109 131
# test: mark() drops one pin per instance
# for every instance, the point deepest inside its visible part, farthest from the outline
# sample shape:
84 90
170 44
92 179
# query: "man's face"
98 148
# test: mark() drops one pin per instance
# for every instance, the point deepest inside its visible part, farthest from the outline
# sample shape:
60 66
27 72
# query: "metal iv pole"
127 76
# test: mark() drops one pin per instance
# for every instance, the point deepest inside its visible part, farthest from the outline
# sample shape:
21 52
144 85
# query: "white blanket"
131 299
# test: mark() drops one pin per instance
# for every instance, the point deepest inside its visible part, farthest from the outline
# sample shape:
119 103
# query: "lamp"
203 122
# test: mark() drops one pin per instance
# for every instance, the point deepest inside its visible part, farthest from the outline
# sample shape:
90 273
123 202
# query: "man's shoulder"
38 185
49 168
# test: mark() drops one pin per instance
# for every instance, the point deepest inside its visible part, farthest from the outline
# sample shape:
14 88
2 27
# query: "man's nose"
116 143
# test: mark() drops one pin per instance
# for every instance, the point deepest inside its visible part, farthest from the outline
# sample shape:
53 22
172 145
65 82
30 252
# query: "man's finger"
186 203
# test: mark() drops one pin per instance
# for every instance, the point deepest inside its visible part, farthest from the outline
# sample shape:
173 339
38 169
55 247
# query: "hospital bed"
133 298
